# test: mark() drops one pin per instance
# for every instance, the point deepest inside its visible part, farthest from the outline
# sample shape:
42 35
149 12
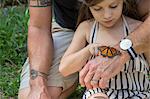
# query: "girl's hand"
93 48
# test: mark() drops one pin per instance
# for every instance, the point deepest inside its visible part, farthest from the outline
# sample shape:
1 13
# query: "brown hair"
129 9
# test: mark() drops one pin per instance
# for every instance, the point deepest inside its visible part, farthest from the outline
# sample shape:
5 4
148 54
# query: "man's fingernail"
82 85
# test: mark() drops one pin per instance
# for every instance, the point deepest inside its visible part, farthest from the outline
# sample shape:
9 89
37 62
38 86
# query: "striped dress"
132 82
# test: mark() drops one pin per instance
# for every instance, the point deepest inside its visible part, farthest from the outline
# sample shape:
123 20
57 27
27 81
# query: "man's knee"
23 93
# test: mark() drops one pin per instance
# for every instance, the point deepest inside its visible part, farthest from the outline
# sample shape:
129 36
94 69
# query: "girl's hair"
129 9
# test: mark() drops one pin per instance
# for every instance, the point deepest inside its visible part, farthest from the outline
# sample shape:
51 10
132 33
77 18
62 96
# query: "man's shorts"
61 42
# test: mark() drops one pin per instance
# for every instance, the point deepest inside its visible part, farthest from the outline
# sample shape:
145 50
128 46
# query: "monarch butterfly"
107 51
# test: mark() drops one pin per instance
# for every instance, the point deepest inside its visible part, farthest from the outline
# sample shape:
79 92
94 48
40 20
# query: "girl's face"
107 12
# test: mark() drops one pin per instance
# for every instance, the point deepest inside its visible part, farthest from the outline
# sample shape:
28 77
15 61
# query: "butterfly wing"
107 51
103 50
113 52
110 53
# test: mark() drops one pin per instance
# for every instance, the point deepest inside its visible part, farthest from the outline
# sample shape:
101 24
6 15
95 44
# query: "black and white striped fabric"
132 82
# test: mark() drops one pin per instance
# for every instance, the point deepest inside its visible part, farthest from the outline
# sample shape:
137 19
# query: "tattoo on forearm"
40 3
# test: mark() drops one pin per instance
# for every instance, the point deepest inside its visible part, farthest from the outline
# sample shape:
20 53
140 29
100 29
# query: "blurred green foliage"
13 35
4 3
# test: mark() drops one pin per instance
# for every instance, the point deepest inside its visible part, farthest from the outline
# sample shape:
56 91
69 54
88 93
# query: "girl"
100 28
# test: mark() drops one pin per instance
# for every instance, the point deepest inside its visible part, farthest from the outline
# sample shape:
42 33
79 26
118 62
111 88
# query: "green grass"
13 35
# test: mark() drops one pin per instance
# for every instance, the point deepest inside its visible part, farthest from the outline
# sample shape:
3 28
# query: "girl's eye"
115 6
97 9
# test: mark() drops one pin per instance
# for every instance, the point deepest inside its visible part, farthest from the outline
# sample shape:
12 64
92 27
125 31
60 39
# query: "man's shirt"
66 13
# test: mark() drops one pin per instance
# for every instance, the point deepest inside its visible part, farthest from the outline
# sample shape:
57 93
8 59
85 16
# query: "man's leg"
58 93
23 93
55 92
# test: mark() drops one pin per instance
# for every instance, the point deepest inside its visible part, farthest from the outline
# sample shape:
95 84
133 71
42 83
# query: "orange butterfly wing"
103 50
110 53
107 51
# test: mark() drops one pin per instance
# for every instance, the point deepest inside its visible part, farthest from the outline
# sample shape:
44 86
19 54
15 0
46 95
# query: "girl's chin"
108 25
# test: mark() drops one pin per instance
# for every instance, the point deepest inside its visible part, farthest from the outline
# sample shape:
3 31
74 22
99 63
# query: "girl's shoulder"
133 23
86 27
86 24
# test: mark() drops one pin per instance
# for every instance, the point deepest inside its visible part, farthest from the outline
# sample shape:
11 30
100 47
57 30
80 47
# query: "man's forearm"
40 49
40 58
141 37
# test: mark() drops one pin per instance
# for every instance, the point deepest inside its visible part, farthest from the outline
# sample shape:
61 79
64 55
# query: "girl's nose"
107 14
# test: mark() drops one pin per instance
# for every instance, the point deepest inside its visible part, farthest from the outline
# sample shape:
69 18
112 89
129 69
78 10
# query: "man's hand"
113 69
97 65
97 72
38 89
